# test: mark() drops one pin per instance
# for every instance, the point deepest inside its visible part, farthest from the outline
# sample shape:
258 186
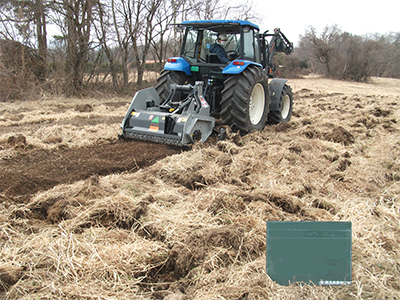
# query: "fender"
178 64
238 66
275 91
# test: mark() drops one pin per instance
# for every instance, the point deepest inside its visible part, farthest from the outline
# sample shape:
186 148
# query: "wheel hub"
256 104
285 106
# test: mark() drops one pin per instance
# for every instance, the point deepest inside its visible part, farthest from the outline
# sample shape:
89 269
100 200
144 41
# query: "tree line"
341 55
118 34
76 43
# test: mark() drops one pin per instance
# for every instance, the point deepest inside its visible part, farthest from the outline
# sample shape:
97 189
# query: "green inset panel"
310 252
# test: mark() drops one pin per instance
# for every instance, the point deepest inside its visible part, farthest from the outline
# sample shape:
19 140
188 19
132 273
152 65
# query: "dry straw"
192 226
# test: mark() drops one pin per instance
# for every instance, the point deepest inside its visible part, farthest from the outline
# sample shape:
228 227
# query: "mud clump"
378 112
52 140
152 232
340 135
189 254
61 211
84 108
322 204
310 132
9 275
192 181
119 212
17 142
284 127
343 164
285 203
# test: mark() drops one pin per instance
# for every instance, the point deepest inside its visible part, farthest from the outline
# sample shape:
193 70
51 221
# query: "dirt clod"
84 108
9 275
16 140
185 256
340 135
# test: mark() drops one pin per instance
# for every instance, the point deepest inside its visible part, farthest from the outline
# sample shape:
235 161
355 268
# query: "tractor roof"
222 23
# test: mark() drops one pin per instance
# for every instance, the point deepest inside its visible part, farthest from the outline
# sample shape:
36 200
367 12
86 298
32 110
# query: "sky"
355 17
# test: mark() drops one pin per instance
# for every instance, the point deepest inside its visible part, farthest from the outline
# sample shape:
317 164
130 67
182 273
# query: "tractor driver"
218 48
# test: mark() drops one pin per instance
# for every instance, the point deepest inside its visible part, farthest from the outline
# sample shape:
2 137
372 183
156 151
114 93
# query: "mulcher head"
173 122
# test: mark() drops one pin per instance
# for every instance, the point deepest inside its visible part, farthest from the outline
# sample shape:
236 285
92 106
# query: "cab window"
190 44
211 37
251 47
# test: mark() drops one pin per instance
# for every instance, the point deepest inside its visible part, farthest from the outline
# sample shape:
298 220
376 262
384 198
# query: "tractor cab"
241 43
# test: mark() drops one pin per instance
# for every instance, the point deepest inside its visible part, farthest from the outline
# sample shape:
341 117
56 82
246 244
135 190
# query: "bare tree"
164 17
394 70
104 32
242 11
341 55
125 22
78 17
123 32
39 16
206 9
140 24
322 48
16 19
150 35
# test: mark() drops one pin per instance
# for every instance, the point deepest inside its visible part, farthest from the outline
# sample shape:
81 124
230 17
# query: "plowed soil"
41 169
84 215
30 165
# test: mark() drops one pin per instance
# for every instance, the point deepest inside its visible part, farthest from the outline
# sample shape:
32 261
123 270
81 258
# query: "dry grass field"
86 216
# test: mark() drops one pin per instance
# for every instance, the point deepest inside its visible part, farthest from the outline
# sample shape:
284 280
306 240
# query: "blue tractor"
204 85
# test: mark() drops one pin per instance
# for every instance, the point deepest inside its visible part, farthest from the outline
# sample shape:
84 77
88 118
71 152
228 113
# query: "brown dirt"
40 152
185 256
40 169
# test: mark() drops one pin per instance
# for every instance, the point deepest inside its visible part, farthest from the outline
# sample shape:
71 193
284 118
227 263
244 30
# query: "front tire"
245 101
285 106
166 79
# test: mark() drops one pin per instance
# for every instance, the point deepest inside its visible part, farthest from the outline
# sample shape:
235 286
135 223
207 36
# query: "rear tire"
245 101
285 106
166 79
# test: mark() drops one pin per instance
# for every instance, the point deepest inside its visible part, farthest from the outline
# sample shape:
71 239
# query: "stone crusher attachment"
174 121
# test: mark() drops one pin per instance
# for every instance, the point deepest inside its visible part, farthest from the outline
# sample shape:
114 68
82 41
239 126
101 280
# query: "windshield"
210 37
198 42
